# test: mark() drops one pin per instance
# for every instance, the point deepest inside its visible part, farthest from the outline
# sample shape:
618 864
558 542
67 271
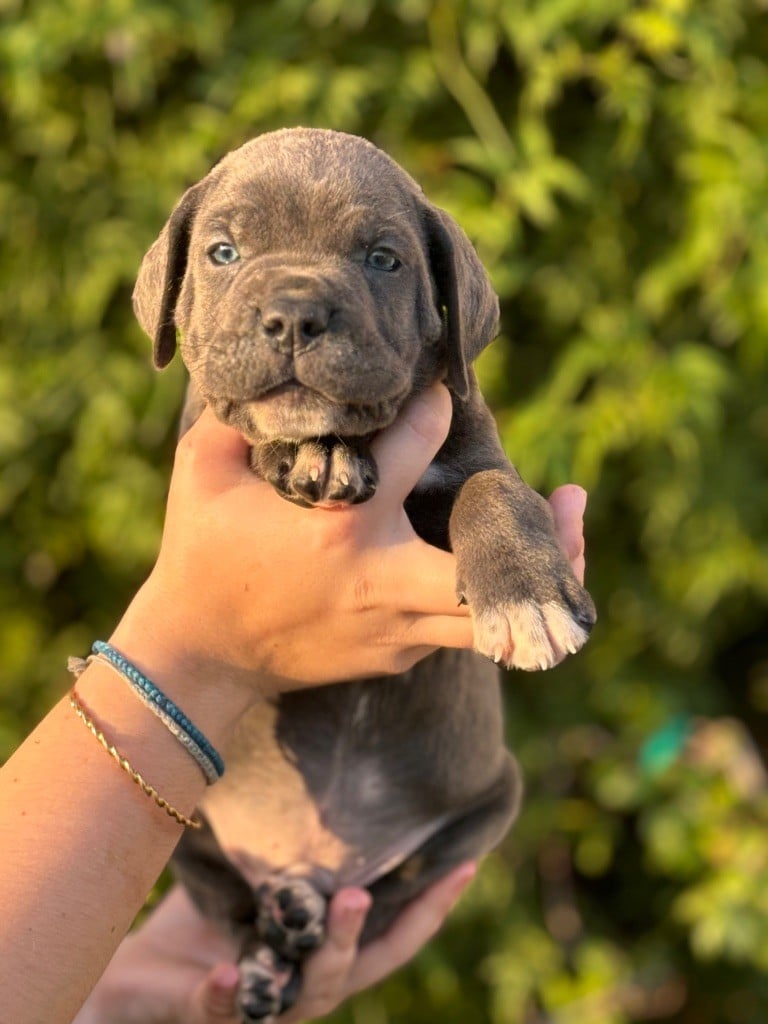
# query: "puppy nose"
289 324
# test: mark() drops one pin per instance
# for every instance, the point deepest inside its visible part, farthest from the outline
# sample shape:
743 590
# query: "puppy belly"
280 831
266 819
260 810
298 845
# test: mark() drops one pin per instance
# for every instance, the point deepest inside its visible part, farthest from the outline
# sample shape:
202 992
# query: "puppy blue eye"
382 259
224 253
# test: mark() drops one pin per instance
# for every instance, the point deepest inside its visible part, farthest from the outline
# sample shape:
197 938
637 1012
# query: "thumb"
212 454
568 504
213 1001
404 450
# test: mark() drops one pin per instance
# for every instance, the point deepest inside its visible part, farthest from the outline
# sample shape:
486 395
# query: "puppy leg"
278 925
528 609
290 923
215 885
467 837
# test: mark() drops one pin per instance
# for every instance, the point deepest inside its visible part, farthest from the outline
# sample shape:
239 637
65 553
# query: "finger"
220 451
419 578
404 450
415 926
443 631
326 973
346 917
430 631
213 1002
568 504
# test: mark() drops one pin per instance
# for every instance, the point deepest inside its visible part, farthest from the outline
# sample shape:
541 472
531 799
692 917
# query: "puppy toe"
352 478
309 474
514 635
527 635
581 604
567 634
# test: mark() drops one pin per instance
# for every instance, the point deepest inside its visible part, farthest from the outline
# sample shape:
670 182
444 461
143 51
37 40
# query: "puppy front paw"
528 635
317 473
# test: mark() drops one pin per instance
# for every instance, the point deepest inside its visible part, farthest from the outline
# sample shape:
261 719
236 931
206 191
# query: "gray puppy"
314 289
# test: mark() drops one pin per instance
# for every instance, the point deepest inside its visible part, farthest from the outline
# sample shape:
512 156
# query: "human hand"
178 969
340 969
248 586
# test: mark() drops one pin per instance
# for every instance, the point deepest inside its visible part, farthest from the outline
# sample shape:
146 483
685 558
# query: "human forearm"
229 599
248 592
82 844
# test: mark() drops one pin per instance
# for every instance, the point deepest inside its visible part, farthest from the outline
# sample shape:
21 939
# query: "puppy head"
313 288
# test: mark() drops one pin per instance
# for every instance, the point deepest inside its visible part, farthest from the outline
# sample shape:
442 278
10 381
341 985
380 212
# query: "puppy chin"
296 413
293 417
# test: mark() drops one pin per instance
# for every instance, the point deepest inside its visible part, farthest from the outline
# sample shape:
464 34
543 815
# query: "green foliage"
609 158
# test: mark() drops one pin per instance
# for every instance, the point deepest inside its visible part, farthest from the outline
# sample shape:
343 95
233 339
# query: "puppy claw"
318 473
528 636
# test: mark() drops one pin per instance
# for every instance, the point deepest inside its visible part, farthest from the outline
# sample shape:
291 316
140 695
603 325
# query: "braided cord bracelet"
173 718
82 713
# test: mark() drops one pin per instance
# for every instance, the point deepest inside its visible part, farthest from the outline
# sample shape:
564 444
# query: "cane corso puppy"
313 289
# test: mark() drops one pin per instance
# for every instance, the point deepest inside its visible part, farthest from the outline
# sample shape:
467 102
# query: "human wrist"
211 693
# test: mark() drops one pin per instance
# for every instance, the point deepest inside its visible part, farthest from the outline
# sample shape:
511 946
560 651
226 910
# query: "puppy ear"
161 275
470 305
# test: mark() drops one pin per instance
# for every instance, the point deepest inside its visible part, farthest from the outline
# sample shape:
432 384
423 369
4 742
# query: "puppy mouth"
289 391
293 410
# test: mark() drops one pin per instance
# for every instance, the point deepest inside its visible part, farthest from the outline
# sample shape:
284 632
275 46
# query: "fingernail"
580 499
464 876
355 903
225 977
351 907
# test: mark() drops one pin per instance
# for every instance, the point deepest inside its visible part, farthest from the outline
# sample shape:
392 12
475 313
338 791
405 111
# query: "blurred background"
609 159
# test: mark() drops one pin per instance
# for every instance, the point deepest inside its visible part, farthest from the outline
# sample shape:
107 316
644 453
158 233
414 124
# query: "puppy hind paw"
269 985
291 916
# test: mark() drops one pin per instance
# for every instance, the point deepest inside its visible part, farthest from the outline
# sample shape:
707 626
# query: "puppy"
314 289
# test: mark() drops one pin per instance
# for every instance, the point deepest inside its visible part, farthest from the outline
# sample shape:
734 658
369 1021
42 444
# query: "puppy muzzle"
296 355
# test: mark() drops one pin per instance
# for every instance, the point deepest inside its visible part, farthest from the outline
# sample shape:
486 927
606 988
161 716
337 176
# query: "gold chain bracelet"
82 713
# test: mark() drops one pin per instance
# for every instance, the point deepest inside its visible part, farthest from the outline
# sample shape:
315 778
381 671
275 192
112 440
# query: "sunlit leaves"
610 159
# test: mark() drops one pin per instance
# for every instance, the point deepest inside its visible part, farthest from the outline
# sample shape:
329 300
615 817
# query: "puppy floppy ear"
470 305
161 275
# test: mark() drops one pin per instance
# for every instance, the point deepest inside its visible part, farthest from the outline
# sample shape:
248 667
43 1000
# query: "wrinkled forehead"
320 196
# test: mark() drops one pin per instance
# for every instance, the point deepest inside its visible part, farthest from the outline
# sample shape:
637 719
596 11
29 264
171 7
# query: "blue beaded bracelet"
170 714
